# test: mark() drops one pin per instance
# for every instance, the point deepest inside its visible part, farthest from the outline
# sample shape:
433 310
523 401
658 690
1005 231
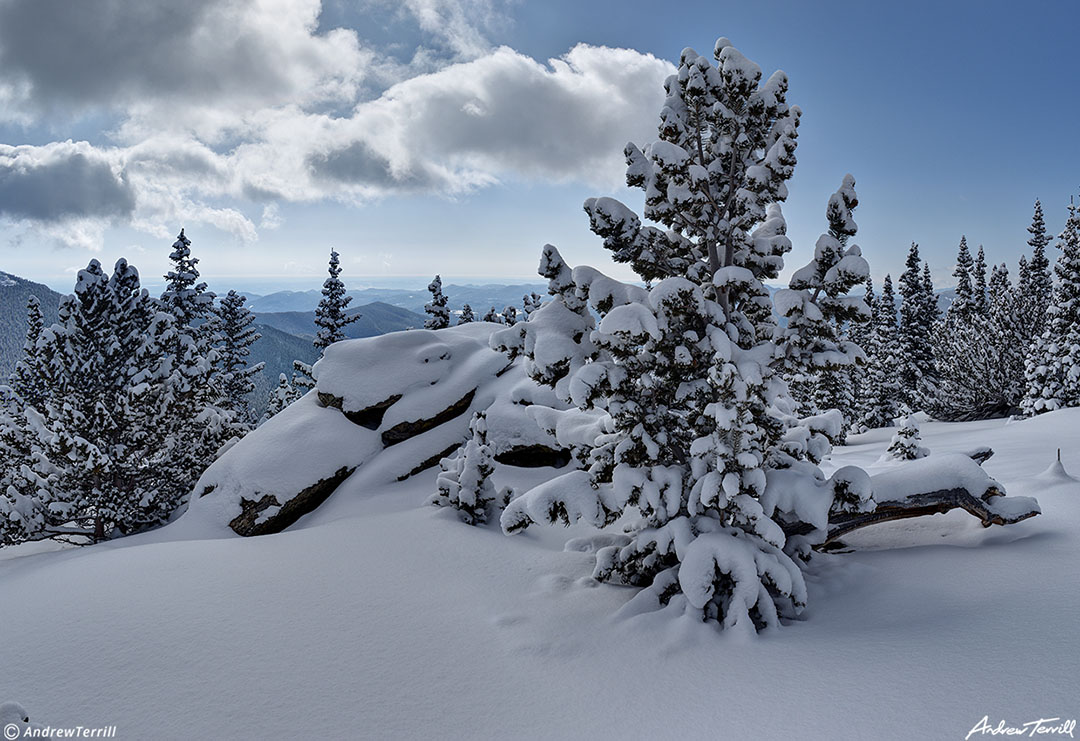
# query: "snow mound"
1055 474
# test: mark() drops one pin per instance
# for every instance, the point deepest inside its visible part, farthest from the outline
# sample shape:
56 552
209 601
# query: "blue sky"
437 136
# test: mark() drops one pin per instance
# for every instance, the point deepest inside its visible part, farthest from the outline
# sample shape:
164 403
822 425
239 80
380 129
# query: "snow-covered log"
931 486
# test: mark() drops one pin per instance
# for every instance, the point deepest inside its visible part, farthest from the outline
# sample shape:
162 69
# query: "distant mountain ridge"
14 293
376 318
479 297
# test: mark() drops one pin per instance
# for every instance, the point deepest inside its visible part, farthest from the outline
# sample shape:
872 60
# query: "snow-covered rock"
393 405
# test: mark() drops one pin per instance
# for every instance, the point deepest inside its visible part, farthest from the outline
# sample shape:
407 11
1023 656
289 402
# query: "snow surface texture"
379 617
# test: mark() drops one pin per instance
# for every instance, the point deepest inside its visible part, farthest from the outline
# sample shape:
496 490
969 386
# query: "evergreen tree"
964 303
493 316
980 358
686 368
530 302
817 305
978 272
194 424
464 481
467 315
234 336
27 381
1052 369
99 462
930 304
25 489
510 315
330 316
185 297
906 443
862 334
885 394
916 323
438 314
280 397
1039 291
302 378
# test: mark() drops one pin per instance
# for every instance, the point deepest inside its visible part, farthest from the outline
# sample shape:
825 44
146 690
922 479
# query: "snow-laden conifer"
493 316
885 397
194 424
27 380
438 314
906 444
817 305
916 324
233 338
464 481
978 279
280 397
1038 290
530 302
964 304
980 357
1052 369
704 446
467 315
330 316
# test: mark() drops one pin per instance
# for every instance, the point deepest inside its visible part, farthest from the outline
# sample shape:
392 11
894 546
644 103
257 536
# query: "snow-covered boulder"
392 405
284 469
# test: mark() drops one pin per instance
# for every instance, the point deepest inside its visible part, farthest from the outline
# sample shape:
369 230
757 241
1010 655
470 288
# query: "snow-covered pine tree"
530 302
703 442
963 306
26 379
233 338
330 316
467 315
978 289
280 397
194 425
817 305
1039 291
185 297
885 395
1052 368
464 481
302 379
916 352
438 314
980 358
862 334
930 304
25 491
906 444
102 433
510 315
493 316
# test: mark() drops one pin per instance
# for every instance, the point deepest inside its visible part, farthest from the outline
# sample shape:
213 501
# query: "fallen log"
929 486
1003 511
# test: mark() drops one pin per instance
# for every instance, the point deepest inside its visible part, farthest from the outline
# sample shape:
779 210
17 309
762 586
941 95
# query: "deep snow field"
379 617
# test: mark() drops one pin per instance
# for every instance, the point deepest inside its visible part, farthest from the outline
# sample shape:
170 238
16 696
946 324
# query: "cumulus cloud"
94 53
61 181
224 108
501 115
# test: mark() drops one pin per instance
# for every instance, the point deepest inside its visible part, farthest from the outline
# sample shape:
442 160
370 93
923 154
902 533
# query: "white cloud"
199 54
227 107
